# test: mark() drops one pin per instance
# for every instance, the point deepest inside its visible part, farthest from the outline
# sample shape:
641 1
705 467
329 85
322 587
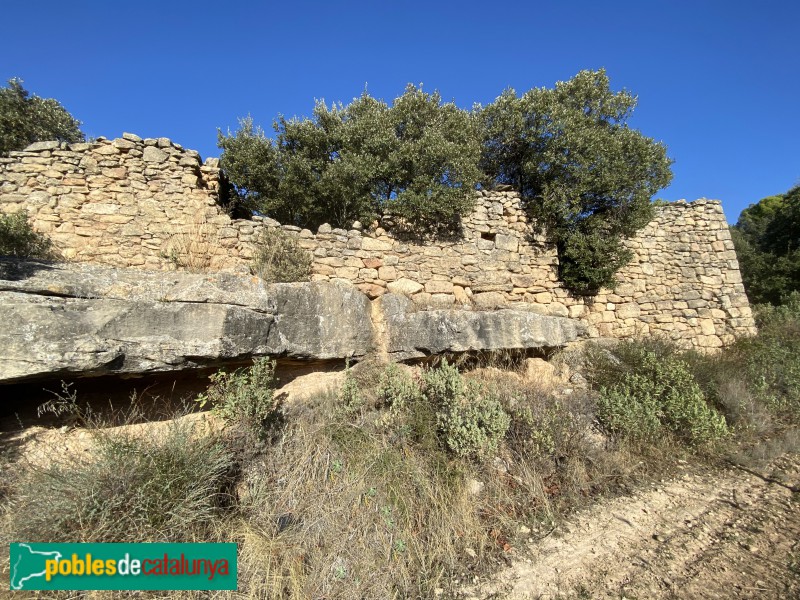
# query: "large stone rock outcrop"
76 320
413 334
92 320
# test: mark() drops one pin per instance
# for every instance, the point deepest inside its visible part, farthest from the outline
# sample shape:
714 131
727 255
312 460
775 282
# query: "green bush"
350 400
396 388
17 238
770 360
654 393
245 398
471 422
280 259
534 433
163 484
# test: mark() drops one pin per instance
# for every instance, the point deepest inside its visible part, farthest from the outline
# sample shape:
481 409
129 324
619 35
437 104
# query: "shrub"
162 484
17 238
471 422
280 259
396 388
771 360
656 393
245 398
350 399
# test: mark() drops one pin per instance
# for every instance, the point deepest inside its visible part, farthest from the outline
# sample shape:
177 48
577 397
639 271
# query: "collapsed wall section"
151 204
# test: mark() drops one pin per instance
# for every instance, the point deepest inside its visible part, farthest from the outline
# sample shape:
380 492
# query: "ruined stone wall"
151 204
127 202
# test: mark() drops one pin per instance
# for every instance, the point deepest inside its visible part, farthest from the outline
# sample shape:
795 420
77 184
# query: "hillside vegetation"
411 482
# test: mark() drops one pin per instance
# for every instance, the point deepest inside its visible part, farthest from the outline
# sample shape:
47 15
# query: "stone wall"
151 204
126 202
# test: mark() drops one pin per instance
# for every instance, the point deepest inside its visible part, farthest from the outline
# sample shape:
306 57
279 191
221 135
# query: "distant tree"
767 241
587 178
25 119
417 159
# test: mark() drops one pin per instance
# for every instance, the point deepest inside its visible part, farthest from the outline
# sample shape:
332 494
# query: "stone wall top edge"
127 140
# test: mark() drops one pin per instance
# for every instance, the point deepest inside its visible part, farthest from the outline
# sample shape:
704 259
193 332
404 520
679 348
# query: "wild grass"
161 486
279 258
192 247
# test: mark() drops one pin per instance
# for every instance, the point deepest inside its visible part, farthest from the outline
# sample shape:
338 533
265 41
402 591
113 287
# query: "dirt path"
701 535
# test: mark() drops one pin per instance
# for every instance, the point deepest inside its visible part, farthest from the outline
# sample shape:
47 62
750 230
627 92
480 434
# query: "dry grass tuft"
192 247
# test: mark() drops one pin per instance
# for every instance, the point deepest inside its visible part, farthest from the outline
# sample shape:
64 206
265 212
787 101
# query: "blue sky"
718 82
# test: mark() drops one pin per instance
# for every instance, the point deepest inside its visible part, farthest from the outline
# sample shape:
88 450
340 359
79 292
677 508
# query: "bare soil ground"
703 534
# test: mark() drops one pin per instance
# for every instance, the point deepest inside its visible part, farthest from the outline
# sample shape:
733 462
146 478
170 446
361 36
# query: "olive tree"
587 178
25 119
416 159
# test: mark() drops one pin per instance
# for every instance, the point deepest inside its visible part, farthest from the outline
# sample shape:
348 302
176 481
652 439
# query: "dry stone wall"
127 202
151 204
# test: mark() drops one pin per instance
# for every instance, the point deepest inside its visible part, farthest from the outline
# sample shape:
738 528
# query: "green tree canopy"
586 176
25 119
767 240
417 159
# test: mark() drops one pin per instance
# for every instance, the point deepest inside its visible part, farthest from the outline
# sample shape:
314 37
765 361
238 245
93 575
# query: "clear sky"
718 81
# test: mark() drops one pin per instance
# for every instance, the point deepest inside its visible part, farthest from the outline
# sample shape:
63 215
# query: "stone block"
460 295
372 290
404 286
707 327
154 155
506 242
628 310
368 243
386 273
576 311
350 273
439 301
439 287
489 300
524 280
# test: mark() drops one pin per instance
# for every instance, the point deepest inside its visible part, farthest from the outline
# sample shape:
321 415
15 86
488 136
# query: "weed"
280 259
771 360
350 399
374 519
192 248
65 404
162 486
